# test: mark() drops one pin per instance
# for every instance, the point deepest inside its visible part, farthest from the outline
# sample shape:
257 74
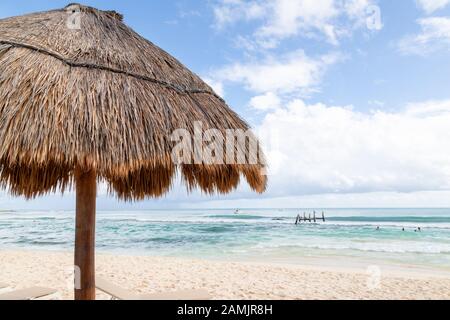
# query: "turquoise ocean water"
265 235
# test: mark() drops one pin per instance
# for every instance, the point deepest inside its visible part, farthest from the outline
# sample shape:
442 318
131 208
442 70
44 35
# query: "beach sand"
224 280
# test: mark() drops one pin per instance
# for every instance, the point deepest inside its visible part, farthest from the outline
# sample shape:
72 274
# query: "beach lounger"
28 294
118 293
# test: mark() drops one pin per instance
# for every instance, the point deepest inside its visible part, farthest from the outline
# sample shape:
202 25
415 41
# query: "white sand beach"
225 280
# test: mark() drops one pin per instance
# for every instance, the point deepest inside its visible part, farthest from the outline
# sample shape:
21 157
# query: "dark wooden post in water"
86 190
314 218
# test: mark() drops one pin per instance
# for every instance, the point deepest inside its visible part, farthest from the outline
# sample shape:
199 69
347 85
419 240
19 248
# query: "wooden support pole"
86 192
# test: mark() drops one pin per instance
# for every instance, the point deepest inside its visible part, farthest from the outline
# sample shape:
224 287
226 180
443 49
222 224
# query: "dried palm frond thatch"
102 98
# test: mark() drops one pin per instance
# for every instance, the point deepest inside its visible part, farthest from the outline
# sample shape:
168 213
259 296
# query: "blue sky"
358 110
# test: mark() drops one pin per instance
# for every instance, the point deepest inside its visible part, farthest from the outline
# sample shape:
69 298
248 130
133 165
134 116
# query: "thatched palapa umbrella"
83 98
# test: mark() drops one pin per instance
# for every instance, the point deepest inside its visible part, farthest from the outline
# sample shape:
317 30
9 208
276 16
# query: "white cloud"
292 73
230 11
376 103
217 86
428 109
430 6
435 35
268 101
280 19
315 149
291 17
